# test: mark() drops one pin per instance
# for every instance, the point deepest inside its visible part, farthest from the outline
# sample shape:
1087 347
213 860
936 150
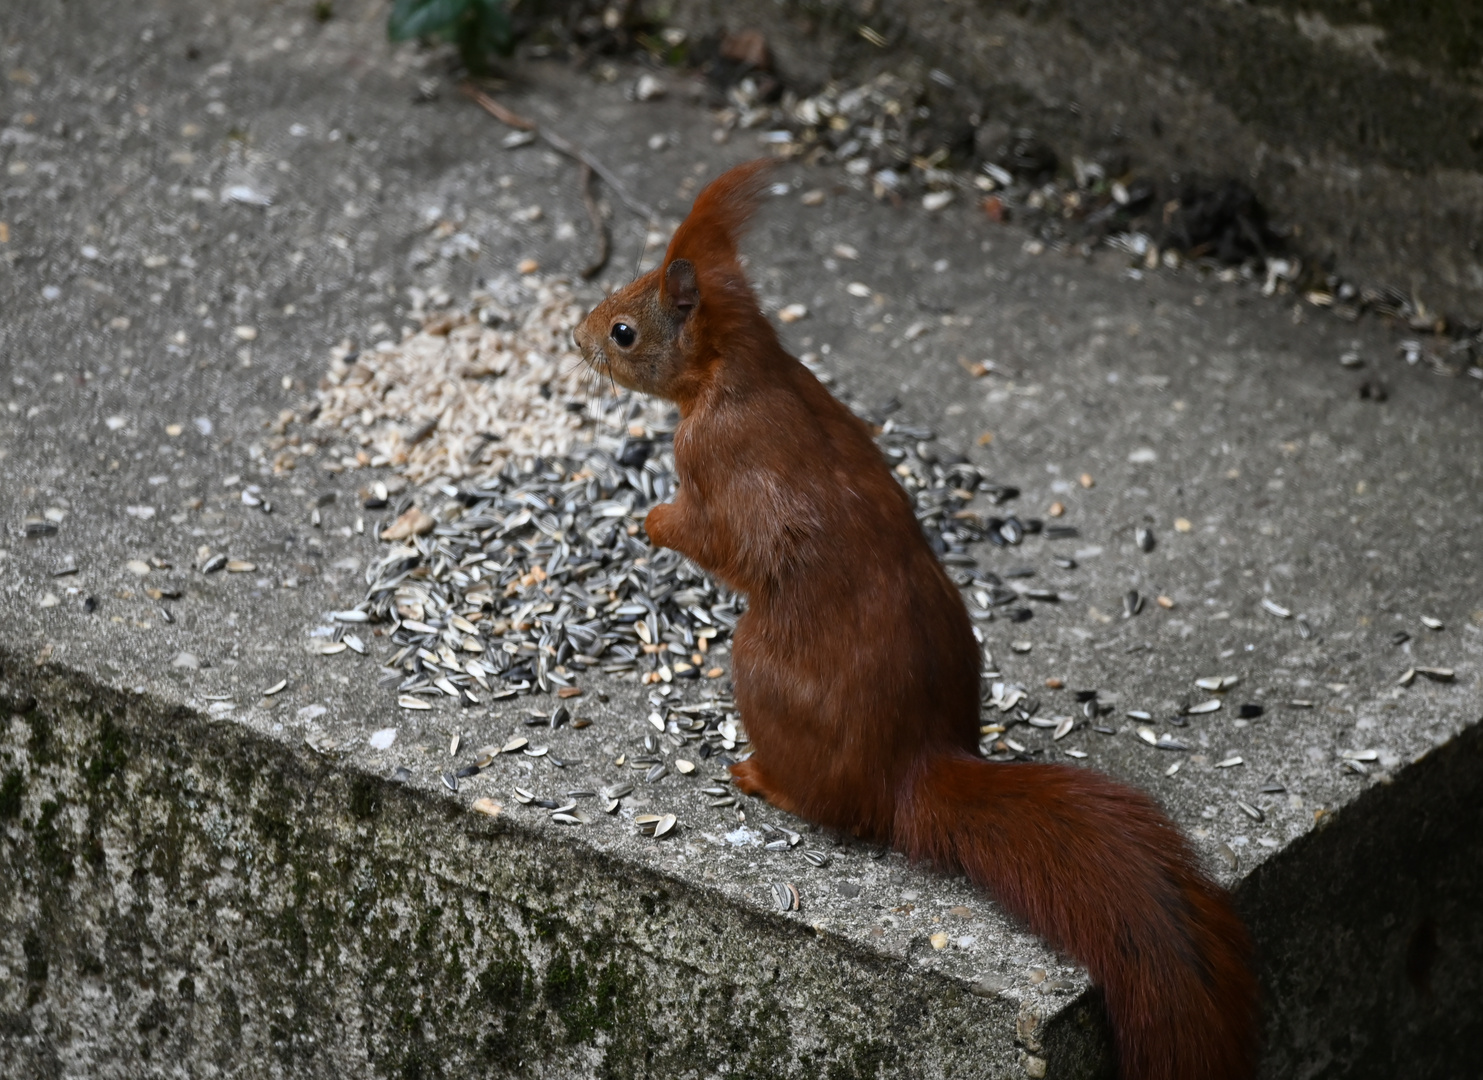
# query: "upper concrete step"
1360 126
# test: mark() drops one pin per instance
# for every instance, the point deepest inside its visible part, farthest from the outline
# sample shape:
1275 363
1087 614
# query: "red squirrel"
856 670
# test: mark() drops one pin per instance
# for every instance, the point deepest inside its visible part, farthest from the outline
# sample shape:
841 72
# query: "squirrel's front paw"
659 524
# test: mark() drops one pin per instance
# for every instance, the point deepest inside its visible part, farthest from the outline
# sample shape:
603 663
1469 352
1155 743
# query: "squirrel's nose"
581 337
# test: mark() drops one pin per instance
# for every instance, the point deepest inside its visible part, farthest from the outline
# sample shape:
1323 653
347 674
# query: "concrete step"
195 887
1357 125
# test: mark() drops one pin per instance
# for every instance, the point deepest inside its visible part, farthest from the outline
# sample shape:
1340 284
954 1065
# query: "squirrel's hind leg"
748 779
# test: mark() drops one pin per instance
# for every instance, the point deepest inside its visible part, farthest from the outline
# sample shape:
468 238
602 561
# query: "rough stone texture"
193 894
1388 881
1362 124
169 853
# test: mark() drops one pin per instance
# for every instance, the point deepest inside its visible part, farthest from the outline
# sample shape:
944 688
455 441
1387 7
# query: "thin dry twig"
599 226
561 145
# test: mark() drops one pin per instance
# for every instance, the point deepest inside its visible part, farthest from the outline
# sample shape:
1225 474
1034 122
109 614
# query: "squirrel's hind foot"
747 777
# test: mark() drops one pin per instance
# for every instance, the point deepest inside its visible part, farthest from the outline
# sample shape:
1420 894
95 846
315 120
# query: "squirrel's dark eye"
623 334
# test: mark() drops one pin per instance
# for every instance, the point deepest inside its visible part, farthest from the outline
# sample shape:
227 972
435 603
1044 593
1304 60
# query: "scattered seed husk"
487 806
785 895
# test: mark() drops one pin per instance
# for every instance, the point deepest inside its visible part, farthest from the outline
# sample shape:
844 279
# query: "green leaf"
425 18
495 27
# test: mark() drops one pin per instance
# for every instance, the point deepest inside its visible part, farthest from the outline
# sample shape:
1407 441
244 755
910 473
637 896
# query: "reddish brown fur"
857 673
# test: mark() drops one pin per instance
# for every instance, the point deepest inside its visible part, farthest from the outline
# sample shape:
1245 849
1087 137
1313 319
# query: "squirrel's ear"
680 285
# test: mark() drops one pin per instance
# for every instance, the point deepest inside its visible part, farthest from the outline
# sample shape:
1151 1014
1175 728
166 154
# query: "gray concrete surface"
1358 124
193 890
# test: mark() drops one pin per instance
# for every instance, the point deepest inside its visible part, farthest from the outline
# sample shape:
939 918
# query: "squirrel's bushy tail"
1096 869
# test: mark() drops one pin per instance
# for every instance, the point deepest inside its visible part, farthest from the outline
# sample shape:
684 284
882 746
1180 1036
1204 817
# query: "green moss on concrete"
108 756
37 967
365 797
12 792
39 743
259 910
868 1059
52 854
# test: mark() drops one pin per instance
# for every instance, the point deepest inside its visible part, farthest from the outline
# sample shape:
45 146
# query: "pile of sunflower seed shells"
473 388
518 581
